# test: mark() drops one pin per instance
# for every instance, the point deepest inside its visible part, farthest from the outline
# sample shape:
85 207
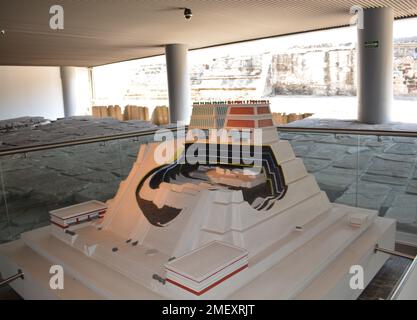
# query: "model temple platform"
229 215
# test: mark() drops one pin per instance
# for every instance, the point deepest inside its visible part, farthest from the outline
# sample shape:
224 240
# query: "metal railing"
401 283
76 142
394 253
359 132
142 133
18 275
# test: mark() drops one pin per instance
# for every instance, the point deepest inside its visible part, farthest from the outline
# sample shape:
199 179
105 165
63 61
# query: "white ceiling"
103 31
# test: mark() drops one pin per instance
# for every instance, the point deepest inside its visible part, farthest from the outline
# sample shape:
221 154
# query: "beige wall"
30 91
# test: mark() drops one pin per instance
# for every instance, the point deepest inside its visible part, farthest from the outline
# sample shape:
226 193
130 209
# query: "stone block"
404 140
301 149
405 201
412 187
335 181
384 179
402 148
314 165
396 157
365 195
352 161
327 151
390 168
402 215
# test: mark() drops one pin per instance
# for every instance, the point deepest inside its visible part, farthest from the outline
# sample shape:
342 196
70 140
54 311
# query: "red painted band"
57 224
211 274
199 293
241 123
242 110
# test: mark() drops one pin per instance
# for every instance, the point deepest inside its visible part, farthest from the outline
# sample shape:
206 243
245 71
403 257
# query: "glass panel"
129 149
41 181
378 173
34 183
331 158
4 214
388 182
372 172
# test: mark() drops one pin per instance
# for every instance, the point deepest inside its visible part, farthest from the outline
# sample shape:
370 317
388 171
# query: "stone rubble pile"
27 131
22 122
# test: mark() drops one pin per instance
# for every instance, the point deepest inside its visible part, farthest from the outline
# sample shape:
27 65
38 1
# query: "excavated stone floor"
315 122
29 131
37 182
367 171
33 183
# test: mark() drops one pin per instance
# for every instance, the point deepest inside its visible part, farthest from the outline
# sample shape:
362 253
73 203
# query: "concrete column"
375 66
69 90
178 82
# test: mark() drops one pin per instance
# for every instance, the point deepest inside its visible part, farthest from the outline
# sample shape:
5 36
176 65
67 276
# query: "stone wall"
322 70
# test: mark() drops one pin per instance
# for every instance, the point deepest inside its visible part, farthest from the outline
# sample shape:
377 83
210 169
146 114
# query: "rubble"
30 131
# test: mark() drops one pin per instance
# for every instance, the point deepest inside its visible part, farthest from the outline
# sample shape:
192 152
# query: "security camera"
188 13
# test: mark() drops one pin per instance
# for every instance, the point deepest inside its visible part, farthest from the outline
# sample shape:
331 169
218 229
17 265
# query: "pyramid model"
216 217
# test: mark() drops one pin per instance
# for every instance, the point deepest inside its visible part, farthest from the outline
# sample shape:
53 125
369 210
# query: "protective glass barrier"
4 212
388 182
34 183
364 171
367 171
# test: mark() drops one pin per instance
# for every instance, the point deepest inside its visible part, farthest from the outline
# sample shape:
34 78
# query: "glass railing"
374 170
37 179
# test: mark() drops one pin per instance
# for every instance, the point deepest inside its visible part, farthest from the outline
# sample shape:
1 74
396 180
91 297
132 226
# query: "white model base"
317 270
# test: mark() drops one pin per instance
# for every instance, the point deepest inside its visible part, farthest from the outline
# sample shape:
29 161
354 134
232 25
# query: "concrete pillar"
375 66
178 82
69 90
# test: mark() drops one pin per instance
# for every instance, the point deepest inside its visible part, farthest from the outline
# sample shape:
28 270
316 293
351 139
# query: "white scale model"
205 230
